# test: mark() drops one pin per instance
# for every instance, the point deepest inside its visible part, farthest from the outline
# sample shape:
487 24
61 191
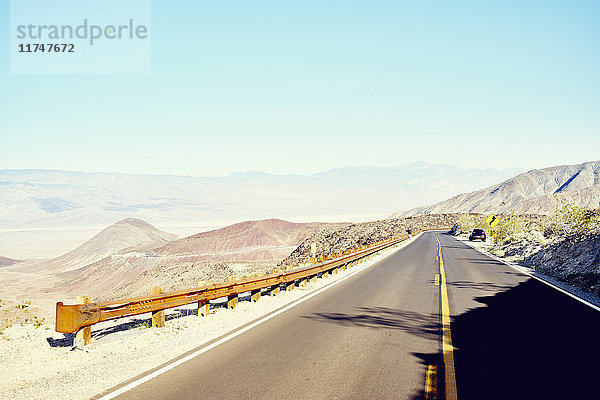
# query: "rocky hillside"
533 192
7 262
577 263
355 235
126 236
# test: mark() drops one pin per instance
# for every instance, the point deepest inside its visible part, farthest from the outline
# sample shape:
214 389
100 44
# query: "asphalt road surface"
376 334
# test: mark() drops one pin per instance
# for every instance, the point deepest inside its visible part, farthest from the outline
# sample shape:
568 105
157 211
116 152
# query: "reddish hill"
250 240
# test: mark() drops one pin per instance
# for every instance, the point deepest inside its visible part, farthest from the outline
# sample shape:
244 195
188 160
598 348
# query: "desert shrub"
510 224
571 222
467 223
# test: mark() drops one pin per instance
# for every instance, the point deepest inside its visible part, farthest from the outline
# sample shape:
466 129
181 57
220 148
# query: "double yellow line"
447 348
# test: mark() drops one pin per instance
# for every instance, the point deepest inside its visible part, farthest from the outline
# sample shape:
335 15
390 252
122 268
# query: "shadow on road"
483 286
528 342
422 325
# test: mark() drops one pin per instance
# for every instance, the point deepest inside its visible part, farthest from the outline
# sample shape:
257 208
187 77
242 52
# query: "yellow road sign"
492 220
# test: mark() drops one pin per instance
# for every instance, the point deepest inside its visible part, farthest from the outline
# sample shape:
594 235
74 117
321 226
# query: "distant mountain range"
538 191
32 199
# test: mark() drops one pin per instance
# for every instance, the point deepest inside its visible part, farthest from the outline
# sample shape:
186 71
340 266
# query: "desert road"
377 334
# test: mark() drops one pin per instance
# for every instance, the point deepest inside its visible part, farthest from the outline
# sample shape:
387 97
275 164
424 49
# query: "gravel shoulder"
38 363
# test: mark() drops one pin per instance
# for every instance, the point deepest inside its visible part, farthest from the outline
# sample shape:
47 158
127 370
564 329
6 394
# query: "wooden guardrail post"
84 335
203 308
312 279
232 301
255 295
158 317
302 282
203 305
290 286
274 290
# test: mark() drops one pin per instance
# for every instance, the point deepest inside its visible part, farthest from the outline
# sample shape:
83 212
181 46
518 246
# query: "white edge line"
525 272
174 364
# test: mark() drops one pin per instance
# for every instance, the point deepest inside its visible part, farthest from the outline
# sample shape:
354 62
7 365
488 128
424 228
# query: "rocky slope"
577 263
534 192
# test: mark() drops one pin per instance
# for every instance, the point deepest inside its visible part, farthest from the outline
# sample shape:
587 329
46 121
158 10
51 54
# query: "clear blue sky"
304 86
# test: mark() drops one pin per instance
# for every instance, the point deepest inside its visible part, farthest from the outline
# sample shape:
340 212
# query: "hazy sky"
304 86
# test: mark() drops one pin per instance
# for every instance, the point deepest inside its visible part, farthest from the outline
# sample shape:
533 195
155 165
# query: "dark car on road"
477 234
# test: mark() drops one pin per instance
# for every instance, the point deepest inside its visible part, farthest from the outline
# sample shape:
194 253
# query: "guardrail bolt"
84 335
232 301
158 317
255 295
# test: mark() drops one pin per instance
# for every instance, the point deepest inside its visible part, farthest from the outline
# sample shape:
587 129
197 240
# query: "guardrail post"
312 279
232 301
84 335
203 308
158 317
274 290
203 305
290 286
255 295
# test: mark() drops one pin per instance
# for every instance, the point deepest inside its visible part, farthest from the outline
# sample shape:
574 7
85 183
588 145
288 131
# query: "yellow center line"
447 348
431 383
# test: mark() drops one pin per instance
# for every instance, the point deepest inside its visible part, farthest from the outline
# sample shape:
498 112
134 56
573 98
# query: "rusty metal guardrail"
73 318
